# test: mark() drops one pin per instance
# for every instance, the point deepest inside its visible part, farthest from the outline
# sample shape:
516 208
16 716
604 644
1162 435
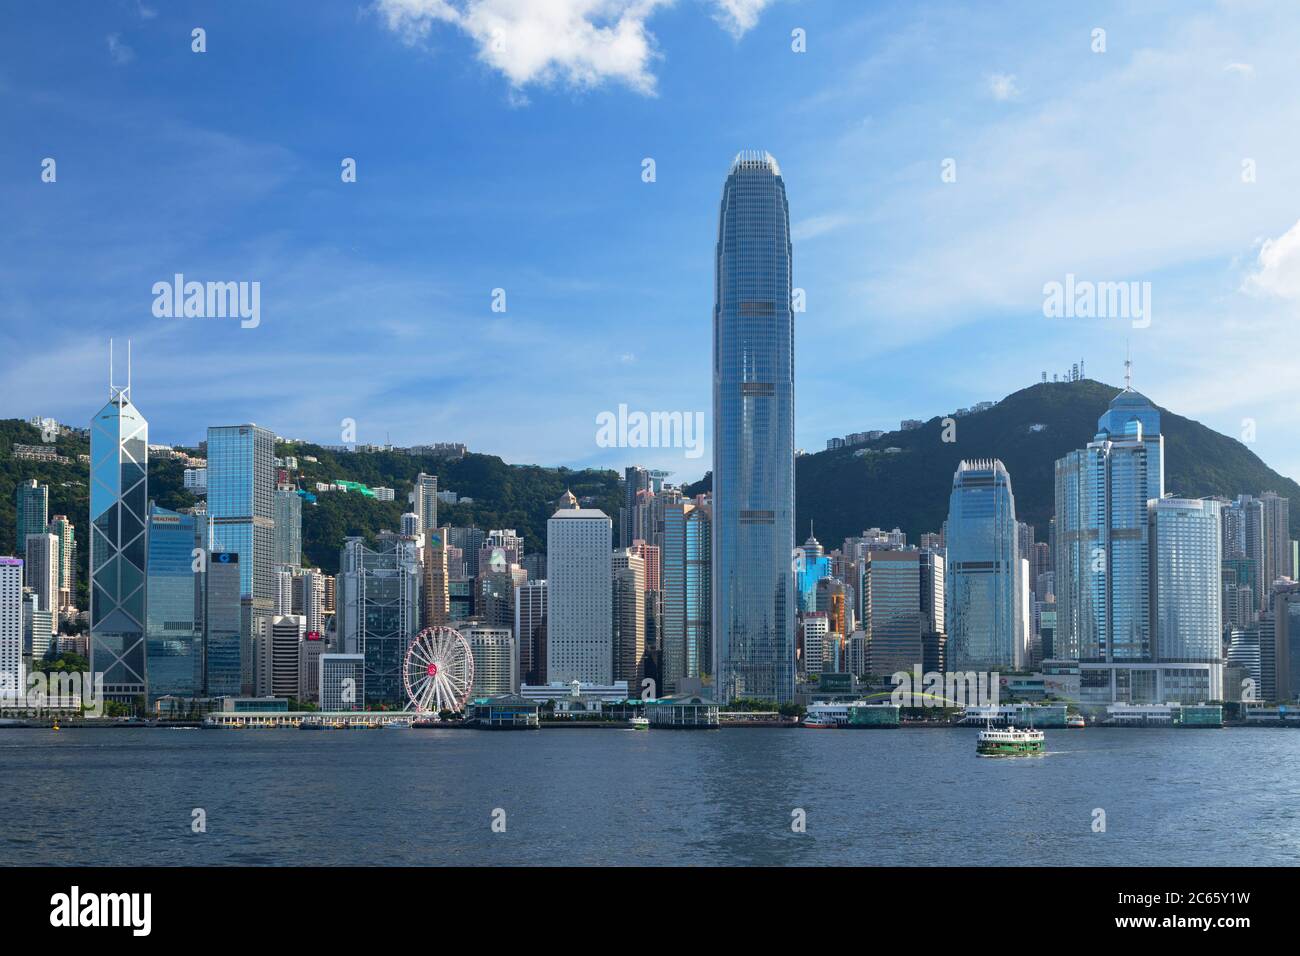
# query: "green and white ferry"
1009 742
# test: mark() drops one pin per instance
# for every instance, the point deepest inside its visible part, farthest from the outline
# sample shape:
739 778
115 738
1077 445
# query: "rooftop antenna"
1128 368
119 393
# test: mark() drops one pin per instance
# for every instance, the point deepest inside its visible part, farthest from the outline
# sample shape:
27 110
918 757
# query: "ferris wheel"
438 670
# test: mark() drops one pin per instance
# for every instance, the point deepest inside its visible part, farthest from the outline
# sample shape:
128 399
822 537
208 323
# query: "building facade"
579 575
753 594
119 501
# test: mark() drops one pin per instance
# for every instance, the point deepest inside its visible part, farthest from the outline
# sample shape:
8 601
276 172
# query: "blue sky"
499 144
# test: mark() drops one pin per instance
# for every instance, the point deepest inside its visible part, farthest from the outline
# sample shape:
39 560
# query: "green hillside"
844 492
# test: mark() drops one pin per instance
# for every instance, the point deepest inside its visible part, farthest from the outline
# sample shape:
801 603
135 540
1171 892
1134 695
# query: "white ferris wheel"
438 670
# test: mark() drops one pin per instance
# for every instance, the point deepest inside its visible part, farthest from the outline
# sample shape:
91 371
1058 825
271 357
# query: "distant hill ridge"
847 490
843 490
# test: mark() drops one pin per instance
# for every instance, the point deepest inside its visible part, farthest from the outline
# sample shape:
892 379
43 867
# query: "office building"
223 645
496 660
13 675
627 599
278 662
437 597
986 587
119 501
32 501
753 437
42 569
379 611
1103 561
530 631
686 558
1186 599
580 628
342 682
173 632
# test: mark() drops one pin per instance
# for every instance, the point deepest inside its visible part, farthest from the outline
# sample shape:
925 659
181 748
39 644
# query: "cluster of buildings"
1137 596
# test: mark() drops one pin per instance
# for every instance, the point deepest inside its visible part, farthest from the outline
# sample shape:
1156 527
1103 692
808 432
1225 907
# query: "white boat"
401 724
639 723
1009 742
820 722
1075 720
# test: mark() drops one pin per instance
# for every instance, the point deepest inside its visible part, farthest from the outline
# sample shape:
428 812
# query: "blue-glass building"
986 585
241 508
223 664
686 557
753 437
119 501
173 639
1103 555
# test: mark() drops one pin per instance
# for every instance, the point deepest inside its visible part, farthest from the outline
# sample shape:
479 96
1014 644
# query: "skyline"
527 176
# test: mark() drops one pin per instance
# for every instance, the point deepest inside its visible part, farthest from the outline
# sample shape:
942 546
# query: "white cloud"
119 51
738 17
1240 69
1003 86
580 43
1278 272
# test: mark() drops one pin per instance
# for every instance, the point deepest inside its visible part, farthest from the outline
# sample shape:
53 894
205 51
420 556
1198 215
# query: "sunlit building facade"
754 598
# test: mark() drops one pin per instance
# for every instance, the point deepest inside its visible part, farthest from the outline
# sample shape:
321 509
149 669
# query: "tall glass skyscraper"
241 510
173 638
753 437
1103 557
119 499
1186 600
686 559
986 604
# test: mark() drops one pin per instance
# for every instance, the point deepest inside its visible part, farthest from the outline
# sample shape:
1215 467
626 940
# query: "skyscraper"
424 501
1277 540
63 529
986 602
628 614
223 646
288 527
753 436
379 611
173 635
1103 553
687 557
13 679
119 501
437 604
42 567
33 505
580 627
530 631
1186 598
241 510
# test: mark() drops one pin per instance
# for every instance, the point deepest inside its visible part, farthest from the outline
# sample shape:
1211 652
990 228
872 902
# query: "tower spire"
1128 368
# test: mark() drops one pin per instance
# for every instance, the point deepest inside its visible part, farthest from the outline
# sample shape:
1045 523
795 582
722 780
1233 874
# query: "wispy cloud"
1003 86
577 43
119 51
1277 272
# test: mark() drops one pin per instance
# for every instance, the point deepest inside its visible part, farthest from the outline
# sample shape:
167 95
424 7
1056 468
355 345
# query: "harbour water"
904 797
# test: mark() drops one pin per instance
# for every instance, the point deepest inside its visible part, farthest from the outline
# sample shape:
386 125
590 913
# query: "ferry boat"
399 724
1075 720
639 723
1009 742
820 722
